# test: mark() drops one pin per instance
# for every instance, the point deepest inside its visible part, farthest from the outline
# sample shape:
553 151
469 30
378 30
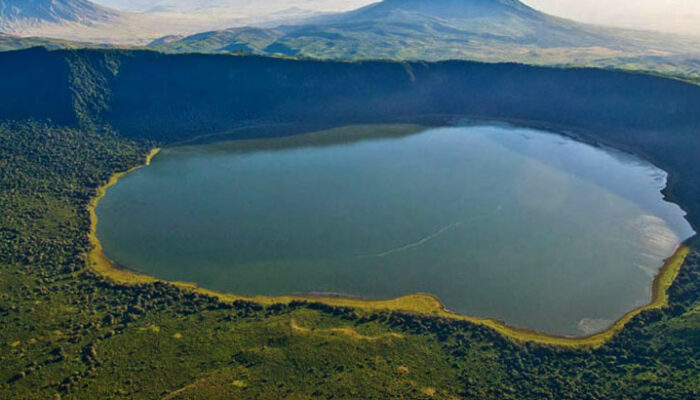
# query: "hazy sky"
680 16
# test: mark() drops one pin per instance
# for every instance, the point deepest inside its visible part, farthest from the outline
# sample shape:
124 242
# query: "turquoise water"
521 225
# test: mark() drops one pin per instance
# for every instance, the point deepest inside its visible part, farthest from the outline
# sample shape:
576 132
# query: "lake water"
521 225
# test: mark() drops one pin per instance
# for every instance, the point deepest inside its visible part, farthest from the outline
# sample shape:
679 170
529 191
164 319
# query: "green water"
521 225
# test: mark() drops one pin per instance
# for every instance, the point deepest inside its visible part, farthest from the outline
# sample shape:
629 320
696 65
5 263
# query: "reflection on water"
521 225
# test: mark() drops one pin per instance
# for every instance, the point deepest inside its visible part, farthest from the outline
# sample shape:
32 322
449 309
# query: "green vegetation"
14 42
67 332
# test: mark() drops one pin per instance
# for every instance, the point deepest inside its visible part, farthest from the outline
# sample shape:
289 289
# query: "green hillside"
71 119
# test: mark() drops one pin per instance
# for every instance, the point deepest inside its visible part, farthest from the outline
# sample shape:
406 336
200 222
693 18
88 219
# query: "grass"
347 330
419 303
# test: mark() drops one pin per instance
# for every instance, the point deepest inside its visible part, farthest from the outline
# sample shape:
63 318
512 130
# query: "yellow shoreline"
419 303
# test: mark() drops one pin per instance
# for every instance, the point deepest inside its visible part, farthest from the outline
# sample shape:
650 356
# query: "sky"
675 16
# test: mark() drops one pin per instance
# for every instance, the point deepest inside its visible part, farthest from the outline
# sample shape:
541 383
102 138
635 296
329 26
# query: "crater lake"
525 226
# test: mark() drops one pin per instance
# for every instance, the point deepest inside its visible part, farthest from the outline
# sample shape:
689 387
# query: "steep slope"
17 14
168 98
171 96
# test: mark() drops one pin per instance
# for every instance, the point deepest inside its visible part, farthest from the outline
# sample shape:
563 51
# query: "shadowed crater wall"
167 98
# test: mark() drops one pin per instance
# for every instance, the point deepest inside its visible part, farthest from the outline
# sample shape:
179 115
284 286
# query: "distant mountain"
248 7
409 25
484 30
247 39
488 30
83 20
16 15
448 9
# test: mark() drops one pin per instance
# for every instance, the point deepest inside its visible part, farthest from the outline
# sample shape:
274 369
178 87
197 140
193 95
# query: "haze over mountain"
672 16
17 14
85 21
142 21
254 8
489 30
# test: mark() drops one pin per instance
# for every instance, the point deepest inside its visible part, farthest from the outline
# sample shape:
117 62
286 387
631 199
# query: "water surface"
521 225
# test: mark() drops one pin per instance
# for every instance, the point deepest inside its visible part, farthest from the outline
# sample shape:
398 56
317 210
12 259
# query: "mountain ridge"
484 30
431 30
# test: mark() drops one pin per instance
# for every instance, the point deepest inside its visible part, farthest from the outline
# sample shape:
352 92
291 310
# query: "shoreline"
419 303
95 257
